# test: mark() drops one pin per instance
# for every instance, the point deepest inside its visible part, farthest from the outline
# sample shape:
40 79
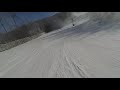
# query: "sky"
35 15
24 17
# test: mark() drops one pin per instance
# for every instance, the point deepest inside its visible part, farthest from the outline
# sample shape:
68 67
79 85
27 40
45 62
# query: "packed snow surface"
88 50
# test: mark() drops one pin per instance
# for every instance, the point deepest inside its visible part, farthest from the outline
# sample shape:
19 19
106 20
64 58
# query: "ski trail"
12 64
66 66
83 51
77 69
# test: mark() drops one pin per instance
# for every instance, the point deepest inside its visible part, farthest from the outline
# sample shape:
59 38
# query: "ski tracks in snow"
67 66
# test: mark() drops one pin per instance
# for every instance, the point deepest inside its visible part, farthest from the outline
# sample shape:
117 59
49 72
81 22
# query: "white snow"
72 52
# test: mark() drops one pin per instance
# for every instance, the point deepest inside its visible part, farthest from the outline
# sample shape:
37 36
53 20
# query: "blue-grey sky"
25 16
35 15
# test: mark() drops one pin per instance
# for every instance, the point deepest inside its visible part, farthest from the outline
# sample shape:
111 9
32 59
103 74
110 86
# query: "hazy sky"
26 16
35 15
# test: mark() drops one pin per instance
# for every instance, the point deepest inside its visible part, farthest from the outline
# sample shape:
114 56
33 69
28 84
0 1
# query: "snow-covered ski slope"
88 50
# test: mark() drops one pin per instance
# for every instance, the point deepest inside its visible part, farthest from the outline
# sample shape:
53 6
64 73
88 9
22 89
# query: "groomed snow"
88 50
